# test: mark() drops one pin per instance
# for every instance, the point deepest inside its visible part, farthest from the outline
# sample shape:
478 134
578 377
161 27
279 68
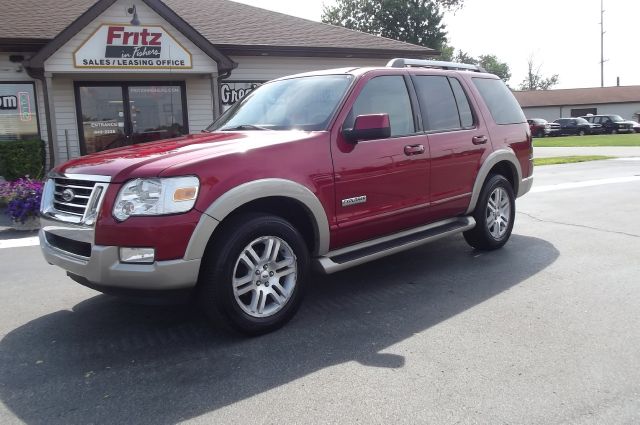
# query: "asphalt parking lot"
544 331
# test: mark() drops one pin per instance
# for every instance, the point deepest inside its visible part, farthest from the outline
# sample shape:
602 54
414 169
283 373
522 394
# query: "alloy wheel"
264 276
498 213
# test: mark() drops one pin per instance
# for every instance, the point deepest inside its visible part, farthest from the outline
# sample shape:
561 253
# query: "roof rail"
405 63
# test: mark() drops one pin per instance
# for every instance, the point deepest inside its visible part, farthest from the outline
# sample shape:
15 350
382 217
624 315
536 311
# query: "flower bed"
22 198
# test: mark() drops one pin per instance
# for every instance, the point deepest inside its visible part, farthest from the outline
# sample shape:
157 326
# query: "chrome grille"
72 196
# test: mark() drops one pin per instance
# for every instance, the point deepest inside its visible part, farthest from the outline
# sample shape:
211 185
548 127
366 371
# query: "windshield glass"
304 103
616 118
582 121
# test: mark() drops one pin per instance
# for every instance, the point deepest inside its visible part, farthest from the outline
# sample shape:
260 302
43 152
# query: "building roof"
232 27
586 96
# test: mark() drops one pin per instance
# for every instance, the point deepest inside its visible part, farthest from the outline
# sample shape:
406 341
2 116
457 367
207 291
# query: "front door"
112 115
381 185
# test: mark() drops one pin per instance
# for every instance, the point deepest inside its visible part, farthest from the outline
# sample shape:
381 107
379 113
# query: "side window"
386 94
502 104
466 116
437 103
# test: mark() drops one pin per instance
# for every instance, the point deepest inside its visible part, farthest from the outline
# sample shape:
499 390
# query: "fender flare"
494 158
251 191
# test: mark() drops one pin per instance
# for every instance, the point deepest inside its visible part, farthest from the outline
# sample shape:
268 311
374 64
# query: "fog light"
137 255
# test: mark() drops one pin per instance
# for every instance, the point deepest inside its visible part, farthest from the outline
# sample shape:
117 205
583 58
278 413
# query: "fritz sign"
132 47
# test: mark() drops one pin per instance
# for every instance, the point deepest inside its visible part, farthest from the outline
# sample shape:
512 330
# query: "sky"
562 36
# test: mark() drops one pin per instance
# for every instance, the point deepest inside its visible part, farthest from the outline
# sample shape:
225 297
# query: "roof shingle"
222 22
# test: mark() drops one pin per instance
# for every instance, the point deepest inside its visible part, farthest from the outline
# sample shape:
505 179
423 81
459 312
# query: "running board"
354 255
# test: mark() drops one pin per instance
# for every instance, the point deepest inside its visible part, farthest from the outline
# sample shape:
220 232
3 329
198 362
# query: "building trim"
223 61
304 51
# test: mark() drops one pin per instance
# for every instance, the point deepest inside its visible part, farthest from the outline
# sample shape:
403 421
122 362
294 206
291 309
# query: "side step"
354 255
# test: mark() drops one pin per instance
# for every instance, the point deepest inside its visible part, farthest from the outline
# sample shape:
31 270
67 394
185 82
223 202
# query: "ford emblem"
68 195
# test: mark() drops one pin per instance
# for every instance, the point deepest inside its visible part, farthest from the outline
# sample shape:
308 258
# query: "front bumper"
103 267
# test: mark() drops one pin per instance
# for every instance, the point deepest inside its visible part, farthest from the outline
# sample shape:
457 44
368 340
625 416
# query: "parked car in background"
541 128
577 126
611 124
636 126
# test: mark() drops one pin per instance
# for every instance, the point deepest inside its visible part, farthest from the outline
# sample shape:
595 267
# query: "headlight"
156 197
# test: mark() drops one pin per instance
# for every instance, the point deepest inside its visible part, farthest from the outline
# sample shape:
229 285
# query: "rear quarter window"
502 104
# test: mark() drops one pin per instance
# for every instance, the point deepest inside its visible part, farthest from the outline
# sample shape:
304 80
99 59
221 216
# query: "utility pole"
601 43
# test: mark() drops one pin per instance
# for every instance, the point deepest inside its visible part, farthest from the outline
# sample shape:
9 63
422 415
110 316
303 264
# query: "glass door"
111 115
103 124
156 113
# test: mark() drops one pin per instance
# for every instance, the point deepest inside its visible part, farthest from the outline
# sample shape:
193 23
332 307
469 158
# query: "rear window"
502 104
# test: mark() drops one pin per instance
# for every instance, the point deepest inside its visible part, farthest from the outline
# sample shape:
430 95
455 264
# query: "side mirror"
369 127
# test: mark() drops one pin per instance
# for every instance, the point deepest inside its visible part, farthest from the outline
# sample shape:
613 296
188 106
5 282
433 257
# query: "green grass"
600 140
568 159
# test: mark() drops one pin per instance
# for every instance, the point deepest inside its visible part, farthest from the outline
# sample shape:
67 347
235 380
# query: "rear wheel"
253 277
581 133
494 215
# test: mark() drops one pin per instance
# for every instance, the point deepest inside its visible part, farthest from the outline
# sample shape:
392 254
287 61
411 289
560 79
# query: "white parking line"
18 243
587 183
628 158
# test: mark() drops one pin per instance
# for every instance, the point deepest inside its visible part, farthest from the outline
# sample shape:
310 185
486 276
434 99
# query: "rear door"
381 185
458 141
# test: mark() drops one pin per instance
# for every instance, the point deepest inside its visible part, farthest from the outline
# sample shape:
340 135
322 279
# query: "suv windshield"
303 103
582 121
616 118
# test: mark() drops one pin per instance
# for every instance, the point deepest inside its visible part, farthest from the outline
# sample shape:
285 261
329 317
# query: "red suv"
328 170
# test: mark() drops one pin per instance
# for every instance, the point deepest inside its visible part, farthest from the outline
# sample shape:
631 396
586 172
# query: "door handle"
413 150
479 140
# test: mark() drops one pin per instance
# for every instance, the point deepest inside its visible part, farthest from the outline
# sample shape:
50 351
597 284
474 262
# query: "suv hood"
151 159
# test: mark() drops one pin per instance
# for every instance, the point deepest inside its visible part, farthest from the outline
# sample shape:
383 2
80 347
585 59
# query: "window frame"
35 103
413 104
424 126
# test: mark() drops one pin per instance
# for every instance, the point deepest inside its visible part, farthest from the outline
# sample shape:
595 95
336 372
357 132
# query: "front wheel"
253 277
581 133
494 215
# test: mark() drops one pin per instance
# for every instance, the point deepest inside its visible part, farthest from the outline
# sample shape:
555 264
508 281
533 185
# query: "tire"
260 301
540 133
581 133
614 131
485 235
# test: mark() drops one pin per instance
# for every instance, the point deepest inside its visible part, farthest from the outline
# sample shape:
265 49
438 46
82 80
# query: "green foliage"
535 80
412 21
494 66
596 140
568 159
489 62
22 158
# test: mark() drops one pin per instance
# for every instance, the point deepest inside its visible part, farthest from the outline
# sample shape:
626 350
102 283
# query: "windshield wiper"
245 127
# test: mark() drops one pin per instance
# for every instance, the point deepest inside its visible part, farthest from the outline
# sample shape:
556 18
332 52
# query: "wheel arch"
277 196
504 162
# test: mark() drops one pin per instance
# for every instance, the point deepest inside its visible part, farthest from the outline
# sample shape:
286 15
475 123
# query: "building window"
583 112
18 113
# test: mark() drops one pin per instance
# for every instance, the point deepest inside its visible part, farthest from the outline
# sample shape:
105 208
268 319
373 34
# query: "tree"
489 62
494 66
413 21
535 80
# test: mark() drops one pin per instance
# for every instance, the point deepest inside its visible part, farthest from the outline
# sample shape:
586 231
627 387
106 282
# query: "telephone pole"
601 43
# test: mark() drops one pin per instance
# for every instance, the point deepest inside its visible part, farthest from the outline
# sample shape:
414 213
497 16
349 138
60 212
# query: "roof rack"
406 63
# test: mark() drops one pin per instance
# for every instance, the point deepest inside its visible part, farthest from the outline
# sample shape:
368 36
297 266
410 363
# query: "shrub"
22 198
22 158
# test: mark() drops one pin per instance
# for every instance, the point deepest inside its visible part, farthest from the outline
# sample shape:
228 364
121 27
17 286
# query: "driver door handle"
479 140
413 150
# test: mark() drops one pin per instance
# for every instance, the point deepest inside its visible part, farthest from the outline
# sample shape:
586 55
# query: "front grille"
78 193
69 245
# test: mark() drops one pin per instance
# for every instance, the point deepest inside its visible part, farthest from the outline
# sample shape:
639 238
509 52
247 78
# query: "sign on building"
132 47
233 91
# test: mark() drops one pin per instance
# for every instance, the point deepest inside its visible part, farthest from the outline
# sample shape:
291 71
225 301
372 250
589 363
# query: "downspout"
215 80
38 74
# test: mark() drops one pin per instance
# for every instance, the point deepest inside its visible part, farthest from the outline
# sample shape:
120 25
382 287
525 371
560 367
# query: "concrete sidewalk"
617 151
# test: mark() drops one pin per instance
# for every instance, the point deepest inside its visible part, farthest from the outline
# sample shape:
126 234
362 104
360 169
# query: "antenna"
602 31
